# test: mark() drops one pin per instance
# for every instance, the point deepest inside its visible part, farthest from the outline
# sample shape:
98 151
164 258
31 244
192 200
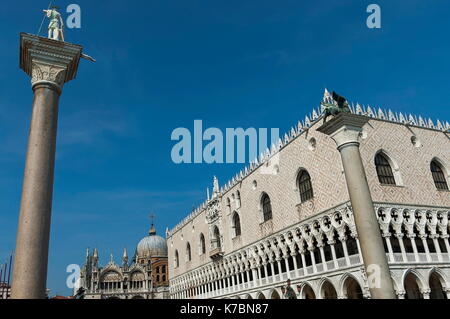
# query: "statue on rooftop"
56 25
333 104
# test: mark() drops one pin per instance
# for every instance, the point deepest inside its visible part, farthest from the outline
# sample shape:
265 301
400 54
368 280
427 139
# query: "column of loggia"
447 244
435 237
236 276
343 240
231 289
423 237
332 244
400 237
272 267
214 284
313 258
242 276
345 129
286 264
202 284
233 282
411 238
387 238
247 275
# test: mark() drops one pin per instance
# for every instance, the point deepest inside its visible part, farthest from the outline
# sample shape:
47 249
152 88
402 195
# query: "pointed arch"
414 284
351 287
274 294
387 170
202 244
260 295
176 259
266 207
217 240
238 199
438 284
439 174
304 185
188 252
327 290
307 292
236 221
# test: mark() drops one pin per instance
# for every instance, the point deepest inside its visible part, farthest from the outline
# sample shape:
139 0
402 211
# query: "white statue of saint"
55 27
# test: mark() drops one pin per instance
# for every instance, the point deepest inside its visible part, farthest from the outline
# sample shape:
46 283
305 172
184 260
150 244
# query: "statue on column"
333 104
56 25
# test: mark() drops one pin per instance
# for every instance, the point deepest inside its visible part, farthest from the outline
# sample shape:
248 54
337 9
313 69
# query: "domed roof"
152 245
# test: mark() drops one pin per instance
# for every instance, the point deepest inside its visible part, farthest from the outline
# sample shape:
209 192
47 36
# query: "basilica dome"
152 245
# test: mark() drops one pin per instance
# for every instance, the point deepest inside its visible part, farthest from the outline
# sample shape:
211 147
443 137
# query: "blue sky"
163 64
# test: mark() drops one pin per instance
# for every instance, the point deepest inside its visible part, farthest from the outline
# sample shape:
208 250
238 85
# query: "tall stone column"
344 129
50 64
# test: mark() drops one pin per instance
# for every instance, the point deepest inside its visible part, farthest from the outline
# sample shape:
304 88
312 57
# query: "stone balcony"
216 253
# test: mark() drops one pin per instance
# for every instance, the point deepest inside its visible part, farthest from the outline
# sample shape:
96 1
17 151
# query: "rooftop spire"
152 230
125 257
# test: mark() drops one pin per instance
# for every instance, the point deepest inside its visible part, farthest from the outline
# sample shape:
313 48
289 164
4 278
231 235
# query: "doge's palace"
289 215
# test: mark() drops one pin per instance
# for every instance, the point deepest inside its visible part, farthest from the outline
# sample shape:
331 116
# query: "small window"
238 199
236 224
177 259
267 207
188 251
217 237
438 176
384 170
305 186
164 269
202 244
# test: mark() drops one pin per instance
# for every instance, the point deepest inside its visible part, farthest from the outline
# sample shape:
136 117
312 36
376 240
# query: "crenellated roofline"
301 127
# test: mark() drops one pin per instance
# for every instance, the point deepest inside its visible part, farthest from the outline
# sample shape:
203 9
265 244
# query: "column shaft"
31 259
372 248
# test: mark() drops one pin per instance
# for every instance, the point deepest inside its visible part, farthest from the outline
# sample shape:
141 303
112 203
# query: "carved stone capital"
47 73
344 129
48 61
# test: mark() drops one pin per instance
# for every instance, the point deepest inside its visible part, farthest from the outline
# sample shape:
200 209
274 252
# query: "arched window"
266 207
438 176
236 224
238 199
177 259
202 244
188 252
305 186
384 170
217 237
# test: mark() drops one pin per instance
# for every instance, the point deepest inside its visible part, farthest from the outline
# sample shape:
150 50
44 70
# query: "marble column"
344 129
50 64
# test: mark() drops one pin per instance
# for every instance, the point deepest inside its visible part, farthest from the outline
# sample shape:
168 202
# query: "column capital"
344 129
48 61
